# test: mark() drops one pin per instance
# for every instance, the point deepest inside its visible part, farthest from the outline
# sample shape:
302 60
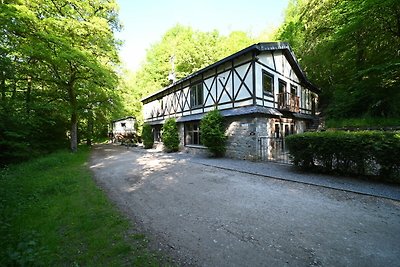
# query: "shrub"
387 153
147 136
213 133
170 135
364 152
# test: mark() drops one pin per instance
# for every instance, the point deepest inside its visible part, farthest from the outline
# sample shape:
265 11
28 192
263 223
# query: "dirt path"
211 217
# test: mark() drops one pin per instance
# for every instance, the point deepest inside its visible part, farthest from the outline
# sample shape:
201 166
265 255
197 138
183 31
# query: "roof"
125 118
257 48
303 116
226 113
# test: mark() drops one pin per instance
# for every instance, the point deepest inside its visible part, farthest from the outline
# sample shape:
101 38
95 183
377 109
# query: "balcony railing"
288 101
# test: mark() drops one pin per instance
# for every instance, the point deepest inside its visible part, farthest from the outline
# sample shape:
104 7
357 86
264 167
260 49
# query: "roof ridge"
260 47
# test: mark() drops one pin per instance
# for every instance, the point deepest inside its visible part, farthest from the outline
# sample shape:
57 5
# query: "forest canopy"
351 50
58 73
180 52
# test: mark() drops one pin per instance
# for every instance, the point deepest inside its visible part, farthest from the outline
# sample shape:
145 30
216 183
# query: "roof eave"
125 118
259 47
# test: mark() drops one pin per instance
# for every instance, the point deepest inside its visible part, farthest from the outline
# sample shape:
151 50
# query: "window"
123 124
287 130
276 134
157 133
267 83
196 95
293 89
192 133
282 86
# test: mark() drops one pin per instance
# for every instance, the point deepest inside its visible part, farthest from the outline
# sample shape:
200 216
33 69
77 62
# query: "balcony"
289 102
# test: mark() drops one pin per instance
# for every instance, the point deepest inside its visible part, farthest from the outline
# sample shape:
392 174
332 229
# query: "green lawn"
52 213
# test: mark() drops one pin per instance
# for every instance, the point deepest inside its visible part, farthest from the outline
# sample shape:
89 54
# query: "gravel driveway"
208 216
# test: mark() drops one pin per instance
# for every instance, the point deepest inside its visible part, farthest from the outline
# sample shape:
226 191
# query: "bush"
365 152
170 135
147 136
213 133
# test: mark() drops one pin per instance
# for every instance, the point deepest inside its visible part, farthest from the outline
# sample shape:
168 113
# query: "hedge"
360 153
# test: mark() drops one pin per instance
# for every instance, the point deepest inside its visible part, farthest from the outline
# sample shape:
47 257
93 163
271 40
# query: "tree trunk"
89 128
14 92
28 95
3 86
74 131
74 116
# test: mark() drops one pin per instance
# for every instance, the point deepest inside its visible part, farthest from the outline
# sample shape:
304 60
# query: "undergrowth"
53 214
363 122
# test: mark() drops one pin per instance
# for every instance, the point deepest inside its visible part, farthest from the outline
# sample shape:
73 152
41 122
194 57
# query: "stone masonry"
243 133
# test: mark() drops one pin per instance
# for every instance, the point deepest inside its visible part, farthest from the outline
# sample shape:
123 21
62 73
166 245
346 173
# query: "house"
123 128
261 91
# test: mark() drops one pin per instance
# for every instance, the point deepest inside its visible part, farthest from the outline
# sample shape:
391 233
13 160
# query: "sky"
145 21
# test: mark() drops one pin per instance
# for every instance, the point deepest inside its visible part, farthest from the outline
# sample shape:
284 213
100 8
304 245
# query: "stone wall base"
243 135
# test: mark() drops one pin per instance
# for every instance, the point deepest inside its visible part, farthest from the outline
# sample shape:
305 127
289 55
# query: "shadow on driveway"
214 216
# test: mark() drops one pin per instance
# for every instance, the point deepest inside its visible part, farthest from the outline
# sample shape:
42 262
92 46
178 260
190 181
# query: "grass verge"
53 214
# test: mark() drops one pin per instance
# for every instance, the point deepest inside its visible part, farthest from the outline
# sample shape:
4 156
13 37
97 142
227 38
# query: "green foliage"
213 133
365 152
24 136
147 136
170 135
53 214
180 51
350 50
363 122
59 60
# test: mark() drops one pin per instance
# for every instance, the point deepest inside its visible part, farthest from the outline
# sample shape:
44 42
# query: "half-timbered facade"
261 90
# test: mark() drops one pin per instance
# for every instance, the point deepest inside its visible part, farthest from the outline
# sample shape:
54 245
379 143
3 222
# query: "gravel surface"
289 173
213 216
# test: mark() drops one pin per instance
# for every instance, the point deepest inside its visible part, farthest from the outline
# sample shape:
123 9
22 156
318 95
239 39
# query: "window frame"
196 95
280 81
190 131
271 76
295 88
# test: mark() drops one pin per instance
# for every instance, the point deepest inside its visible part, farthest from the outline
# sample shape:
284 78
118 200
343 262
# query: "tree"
234 42
170 135
349 49
63 57
80 52
147 136
180 52
213 133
